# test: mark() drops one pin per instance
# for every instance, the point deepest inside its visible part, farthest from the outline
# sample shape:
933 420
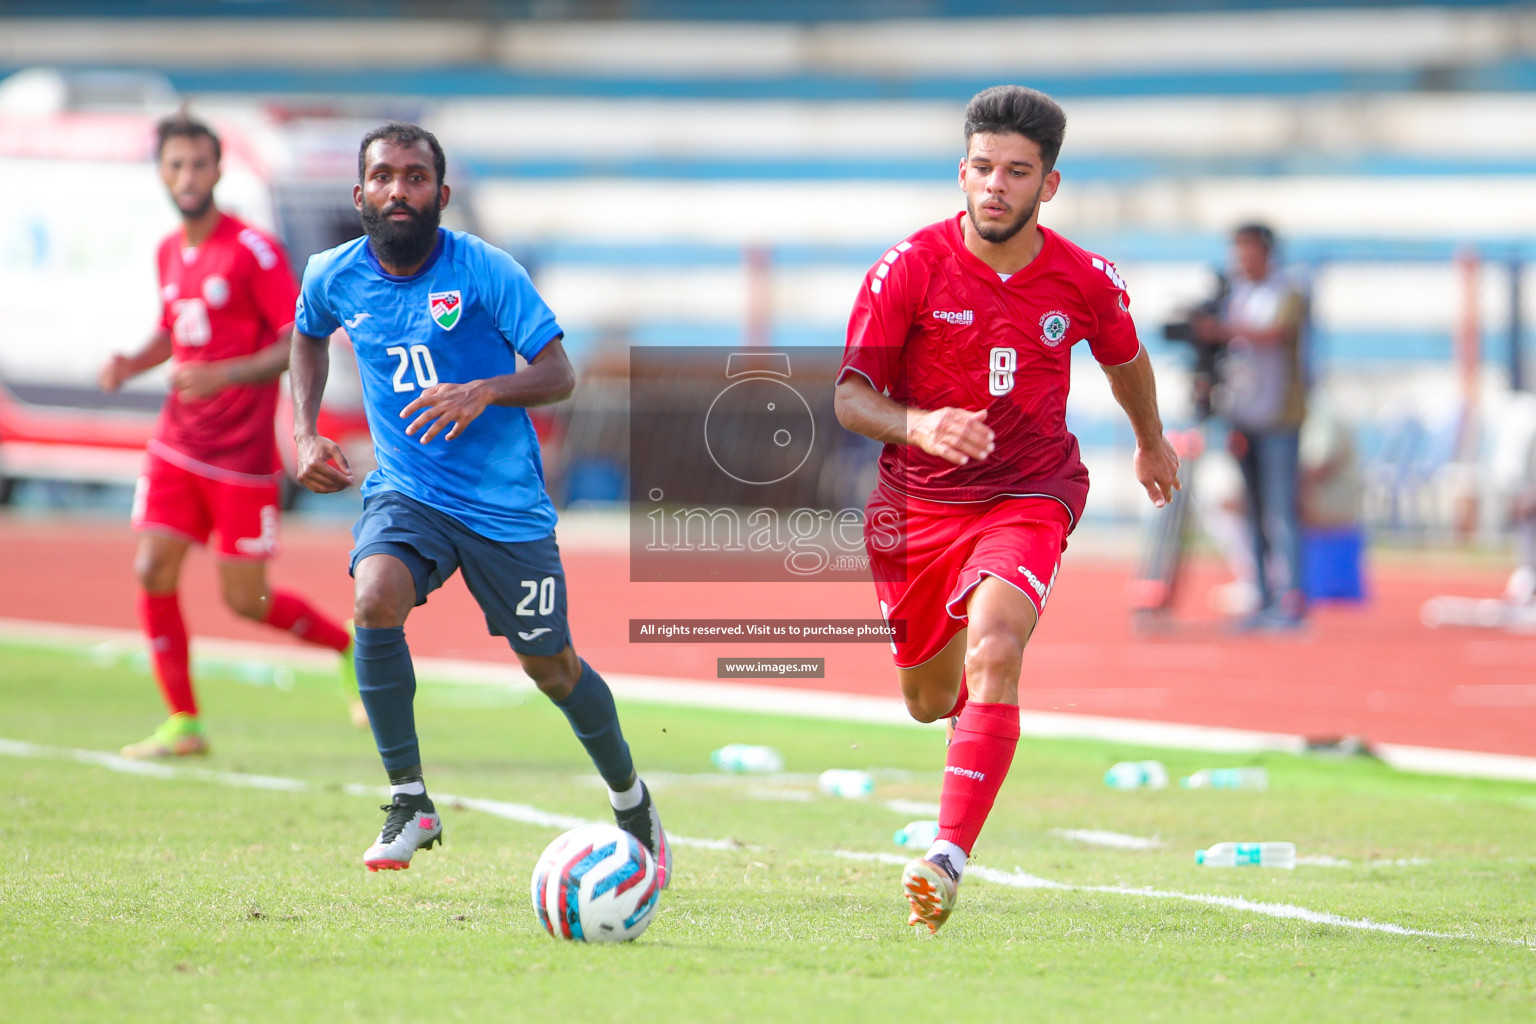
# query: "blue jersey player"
438 319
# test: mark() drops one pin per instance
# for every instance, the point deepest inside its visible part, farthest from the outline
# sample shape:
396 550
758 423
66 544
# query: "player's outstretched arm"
199 380
1156 464
121 368
547 379
956 435
322 466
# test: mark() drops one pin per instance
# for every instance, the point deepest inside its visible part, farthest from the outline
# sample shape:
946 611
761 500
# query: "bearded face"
189 168
1005 180
401 235
1002 219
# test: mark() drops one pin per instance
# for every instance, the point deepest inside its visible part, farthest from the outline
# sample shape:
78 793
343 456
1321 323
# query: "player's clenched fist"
322 466
957 435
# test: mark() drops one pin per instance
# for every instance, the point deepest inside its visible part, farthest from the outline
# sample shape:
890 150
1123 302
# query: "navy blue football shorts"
519 585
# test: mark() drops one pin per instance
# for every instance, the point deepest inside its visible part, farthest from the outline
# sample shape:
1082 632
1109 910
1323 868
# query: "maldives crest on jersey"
445 308
1053 327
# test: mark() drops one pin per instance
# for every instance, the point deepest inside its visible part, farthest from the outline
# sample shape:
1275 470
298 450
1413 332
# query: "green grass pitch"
137 897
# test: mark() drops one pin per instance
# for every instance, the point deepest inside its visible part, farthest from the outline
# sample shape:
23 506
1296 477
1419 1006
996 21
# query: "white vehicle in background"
77 256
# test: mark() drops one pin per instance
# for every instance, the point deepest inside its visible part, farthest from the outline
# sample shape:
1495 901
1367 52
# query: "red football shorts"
189 506
927 557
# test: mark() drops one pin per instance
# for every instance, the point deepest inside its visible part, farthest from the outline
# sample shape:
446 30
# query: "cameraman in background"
1261 323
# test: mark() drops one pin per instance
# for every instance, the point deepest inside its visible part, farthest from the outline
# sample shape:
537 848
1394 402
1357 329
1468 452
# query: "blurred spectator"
1513 468
1332 496
1262 323
1223 506
1332 489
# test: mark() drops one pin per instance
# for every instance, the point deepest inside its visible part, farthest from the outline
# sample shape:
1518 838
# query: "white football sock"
954 853
629 799
416 788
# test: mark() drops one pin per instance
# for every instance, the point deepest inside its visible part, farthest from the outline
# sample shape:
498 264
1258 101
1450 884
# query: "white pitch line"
819 704
920 808
530 815
1098 837
1019 879
664 780
1323 860
527 814
151 769
794 796
1280 910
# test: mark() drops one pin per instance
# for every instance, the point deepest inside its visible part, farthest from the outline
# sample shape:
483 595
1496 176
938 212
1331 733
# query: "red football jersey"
935 326
232 296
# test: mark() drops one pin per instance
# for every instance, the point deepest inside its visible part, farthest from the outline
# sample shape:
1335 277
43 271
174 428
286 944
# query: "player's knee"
992 660
556 675
247 604
155 575
377 608
926 708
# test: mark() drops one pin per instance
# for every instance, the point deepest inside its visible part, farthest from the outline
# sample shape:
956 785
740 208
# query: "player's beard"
997 234
204 204
401 243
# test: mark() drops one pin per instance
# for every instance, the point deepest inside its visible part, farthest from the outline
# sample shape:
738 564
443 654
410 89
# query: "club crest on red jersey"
1053 327
215 291
445 308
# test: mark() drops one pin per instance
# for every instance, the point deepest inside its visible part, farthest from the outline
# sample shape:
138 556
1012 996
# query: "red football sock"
291 612
965 695
160 615
978 762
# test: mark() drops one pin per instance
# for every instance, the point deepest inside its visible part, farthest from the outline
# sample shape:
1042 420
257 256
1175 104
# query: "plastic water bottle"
917 834
111 654
746 759
259 674
1227 778
252 673
1263 855
1136 775
846 782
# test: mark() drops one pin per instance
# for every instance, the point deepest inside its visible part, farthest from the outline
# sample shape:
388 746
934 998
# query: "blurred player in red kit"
227 297
958 358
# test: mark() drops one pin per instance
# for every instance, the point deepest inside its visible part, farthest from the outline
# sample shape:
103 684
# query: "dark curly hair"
1005 109
183 125
403 134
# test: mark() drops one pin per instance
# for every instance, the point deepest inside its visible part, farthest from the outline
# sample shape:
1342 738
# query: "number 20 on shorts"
543 590
1000 369
416 360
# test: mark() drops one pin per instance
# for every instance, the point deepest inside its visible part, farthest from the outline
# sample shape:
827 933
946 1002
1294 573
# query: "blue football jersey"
465 315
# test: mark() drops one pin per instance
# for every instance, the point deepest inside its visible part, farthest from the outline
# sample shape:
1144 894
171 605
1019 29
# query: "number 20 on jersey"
416 362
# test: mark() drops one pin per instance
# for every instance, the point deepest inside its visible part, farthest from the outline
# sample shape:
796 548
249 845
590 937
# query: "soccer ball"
596 883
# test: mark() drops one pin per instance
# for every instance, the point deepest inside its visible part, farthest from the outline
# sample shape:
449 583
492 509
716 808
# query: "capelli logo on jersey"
958 317
266 258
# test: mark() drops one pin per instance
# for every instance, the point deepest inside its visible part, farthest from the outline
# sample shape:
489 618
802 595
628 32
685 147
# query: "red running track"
1368 670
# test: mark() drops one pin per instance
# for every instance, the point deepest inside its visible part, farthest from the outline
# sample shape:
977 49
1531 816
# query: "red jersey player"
958 358
228 300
